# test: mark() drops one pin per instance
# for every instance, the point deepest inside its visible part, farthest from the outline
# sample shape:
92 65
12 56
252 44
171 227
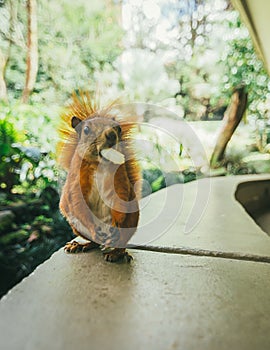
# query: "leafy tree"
83 40
11 45
75 40
242 66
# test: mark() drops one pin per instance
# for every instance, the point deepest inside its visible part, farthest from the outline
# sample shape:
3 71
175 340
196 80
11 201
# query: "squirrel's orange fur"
97 191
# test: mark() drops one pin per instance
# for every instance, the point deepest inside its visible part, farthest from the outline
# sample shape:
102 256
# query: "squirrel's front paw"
76 247
117 254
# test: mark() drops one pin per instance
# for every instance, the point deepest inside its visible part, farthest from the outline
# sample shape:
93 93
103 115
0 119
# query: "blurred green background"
185 55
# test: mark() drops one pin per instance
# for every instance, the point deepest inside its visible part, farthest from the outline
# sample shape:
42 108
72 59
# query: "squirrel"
99 198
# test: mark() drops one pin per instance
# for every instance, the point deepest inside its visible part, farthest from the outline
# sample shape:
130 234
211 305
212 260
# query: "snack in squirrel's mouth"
113 156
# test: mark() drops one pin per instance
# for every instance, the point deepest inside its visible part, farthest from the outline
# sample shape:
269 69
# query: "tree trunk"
3 87
232 118
32 50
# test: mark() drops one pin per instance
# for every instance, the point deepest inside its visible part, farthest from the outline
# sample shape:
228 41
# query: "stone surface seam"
205 252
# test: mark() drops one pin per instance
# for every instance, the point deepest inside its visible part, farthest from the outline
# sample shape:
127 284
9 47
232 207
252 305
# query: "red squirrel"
98 199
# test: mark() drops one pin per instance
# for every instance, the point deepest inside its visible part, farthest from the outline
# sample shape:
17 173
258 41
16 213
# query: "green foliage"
157 179
144 64
10 161
76 40
28 135
29 179
242 66
38 232
105 46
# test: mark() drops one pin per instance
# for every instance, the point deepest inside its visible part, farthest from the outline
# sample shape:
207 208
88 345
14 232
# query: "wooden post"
232 118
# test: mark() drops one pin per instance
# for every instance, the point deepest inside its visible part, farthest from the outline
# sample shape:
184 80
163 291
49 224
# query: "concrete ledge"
255 198
159 301
224 224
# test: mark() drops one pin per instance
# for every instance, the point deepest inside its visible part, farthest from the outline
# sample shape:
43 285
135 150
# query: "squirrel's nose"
111 137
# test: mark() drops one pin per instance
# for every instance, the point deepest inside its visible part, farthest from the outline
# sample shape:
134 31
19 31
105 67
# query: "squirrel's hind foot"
76 247
117 254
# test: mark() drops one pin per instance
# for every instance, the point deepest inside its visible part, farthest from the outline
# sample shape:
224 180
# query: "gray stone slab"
203 214
159 301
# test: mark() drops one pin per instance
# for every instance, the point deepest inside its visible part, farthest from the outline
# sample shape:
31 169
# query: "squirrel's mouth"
102 157
112 155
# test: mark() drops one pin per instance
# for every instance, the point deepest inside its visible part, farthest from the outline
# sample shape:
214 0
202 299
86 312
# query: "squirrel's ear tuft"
76 124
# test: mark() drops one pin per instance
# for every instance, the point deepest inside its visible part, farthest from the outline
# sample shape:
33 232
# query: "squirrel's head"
94 135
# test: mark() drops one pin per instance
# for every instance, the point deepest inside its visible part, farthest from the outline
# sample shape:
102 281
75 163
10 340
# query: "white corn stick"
113 156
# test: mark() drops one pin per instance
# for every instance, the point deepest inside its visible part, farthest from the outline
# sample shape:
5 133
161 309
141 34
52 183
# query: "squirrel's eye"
86 130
